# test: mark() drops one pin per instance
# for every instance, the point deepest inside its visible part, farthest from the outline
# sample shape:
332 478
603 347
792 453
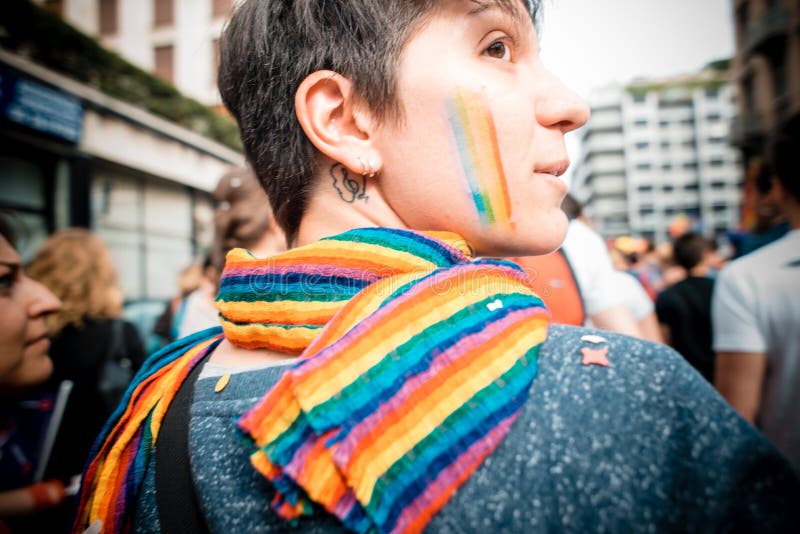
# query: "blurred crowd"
732 316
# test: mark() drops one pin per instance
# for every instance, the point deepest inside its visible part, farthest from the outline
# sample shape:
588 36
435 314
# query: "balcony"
767 31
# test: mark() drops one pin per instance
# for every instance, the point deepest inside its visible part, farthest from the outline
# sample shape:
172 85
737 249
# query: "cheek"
475 152
12 337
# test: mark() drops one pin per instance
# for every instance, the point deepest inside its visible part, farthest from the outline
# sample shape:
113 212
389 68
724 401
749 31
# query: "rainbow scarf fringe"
122 452
405 391
415 361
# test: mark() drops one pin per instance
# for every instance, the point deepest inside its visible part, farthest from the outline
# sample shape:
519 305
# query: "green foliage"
46 39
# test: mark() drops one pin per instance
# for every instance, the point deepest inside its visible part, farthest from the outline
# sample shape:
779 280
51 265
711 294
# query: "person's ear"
335 123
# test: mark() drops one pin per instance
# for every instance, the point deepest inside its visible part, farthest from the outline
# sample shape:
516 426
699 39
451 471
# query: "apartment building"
178 40
766 70
659 148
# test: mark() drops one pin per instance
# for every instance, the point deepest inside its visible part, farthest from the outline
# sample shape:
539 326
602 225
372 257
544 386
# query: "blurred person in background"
638 257
24 362
684 309
765 218
91 346
756 316
580 275
242 219
638 302
167 327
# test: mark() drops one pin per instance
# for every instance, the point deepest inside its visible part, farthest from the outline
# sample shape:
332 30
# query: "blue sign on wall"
40 107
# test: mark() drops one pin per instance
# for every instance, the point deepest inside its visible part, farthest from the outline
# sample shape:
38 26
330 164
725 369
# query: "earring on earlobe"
364 171
372 170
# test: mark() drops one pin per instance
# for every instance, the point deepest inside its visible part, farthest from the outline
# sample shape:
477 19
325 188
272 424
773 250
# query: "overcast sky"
590 43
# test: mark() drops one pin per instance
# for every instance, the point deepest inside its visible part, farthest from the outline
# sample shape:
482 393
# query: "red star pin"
595 356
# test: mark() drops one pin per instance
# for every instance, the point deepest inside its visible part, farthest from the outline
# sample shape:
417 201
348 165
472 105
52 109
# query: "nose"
42 301
560 107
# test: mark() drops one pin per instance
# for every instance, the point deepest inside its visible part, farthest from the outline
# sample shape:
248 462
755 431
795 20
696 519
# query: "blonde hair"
75 265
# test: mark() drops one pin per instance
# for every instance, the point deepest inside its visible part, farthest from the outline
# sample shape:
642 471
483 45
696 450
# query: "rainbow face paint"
473 140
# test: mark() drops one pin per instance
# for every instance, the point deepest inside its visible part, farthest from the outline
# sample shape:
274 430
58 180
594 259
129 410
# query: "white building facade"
73 156
176 39
654 150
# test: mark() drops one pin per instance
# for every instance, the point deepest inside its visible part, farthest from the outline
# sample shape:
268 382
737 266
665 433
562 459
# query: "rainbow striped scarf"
122 452
415 363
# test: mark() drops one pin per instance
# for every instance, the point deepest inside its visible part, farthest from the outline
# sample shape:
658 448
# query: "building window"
644 212
108 17
645 188
713 117
719 208
664 144
163 13
663 123
668 188
717 162
642 145
717 185
642 166
689 143
666 166
690 165
717 140
712 92
691 187
164 57
640 122
639 97
221 8
688 122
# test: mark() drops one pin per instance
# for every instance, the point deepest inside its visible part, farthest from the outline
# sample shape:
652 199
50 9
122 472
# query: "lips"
555 168
42 336
557 182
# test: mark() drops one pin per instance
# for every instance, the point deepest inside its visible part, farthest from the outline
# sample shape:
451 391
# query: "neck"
327 214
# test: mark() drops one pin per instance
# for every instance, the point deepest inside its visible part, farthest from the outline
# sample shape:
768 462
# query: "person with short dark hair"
756 313
684 309
378 377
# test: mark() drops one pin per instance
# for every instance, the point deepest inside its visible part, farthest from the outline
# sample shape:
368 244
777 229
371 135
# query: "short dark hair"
785 156
688 249
270 46
571 207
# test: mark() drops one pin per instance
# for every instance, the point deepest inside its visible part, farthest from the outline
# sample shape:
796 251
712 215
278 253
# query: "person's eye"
8 277
499 50
7 281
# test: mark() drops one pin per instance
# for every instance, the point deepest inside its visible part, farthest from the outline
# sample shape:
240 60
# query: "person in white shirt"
756 318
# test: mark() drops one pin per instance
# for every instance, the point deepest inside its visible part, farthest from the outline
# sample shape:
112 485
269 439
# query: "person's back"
79 355
756 314
757 311
613 475
684 309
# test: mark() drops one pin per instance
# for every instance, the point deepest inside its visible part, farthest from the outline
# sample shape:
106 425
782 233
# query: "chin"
525 240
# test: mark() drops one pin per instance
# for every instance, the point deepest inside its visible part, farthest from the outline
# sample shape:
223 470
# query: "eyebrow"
506 6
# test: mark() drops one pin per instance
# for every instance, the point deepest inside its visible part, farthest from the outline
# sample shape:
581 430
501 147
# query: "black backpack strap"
178 508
